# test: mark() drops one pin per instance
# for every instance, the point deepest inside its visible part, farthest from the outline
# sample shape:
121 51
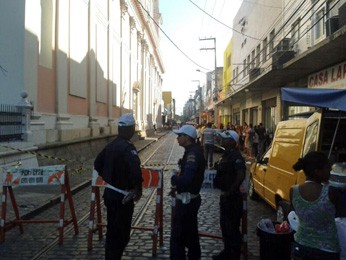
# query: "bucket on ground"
273 245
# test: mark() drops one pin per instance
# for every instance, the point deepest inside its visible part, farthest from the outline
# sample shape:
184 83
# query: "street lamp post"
198 94
204 106
215 76
215 64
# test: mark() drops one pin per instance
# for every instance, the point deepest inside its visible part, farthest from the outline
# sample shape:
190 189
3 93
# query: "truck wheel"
282 211
252 193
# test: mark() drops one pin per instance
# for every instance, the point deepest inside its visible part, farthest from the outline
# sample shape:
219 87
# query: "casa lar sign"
333 77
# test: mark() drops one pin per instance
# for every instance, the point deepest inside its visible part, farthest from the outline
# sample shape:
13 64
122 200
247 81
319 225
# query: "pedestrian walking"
255 143
229 177
186 187
199 134
119 165
245 137
315 203
261 131
250 133
208 141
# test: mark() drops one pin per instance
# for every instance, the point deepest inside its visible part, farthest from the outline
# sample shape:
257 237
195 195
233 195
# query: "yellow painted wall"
167 98
227 66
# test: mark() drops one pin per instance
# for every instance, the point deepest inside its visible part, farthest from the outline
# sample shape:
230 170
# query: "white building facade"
279 44
83 63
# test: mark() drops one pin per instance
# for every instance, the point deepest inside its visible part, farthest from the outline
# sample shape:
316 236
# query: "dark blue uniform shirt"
119 165
192 168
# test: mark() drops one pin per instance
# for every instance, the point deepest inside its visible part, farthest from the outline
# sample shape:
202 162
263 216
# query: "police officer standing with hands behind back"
187 184
229 177
119 165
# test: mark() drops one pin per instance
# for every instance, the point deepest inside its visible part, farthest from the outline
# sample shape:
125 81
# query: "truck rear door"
312 133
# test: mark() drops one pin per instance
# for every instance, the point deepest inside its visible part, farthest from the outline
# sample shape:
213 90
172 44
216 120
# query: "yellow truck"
272 176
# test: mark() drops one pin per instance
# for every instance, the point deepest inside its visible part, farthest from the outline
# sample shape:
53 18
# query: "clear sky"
185 24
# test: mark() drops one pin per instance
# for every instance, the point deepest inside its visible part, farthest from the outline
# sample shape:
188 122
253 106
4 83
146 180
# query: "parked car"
272 176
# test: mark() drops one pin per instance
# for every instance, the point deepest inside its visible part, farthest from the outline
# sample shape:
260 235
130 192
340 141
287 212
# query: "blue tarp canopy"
318 97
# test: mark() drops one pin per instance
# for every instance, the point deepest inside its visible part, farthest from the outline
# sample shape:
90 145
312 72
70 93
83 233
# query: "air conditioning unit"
332 25
295 48
281 57
254 73
342 15
283 45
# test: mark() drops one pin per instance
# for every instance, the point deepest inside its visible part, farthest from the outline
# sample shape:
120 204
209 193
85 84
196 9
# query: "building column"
139 93
124 54
145 81
62 65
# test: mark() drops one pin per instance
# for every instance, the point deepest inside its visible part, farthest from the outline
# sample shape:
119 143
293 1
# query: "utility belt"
128 194
186 197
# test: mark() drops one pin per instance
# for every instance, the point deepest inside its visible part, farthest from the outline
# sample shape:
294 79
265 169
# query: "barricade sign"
209 176
46 175
152 178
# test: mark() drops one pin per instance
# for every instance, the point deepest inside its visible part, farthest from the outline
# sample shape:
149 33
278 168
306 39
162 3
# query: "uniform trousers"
184 231
209 154
119 219
231 208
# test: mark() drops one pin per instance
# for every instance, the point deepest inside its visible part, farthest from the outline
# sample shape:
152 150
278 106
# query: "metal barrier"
152 178
46 175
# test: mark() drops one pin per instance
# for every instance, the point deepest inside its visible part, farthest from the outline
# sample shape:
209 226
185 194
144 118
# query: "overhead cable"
282 27
175 45
222 22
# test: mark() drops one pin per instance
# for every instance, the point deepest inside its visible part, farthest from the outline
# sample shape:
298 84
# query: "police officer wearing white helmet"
229 177
187 185
119 165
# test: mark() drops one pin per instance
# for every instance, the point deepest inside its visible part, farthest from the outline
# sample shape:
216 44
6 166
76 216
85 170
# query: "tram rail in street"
83 219
41 243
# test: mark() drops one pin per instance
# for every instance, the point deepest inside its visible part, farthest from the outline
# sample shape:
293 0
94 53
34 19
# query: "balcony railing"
15 120
11 123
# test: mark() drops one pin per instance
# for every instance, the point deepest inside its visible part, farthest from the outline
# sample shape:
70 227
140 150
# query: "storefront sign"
333 77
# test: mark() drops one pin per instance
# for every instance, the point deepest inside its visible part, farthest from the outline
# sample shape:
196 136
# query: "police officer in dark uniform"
119 165
230 175
187 184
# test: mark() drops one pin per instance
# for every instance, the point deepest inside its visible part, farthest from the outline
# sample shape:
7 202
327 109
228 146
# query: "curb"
54 201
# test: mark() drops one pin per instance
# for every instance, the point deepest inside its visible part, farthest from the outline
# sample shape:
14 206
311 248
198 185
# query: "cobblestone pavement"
31 244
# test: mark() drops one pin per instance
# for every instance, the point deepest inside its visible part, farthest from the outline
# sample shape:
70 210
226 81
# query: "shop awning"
318 97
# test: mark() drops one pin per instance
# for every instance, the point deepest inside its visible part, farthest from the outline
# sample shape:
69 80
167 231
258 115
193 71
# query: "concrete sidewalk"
31 200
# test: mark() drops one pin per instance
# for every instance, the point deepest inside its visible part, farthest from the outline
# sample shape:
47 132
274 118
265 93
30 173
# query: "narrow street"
40 241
